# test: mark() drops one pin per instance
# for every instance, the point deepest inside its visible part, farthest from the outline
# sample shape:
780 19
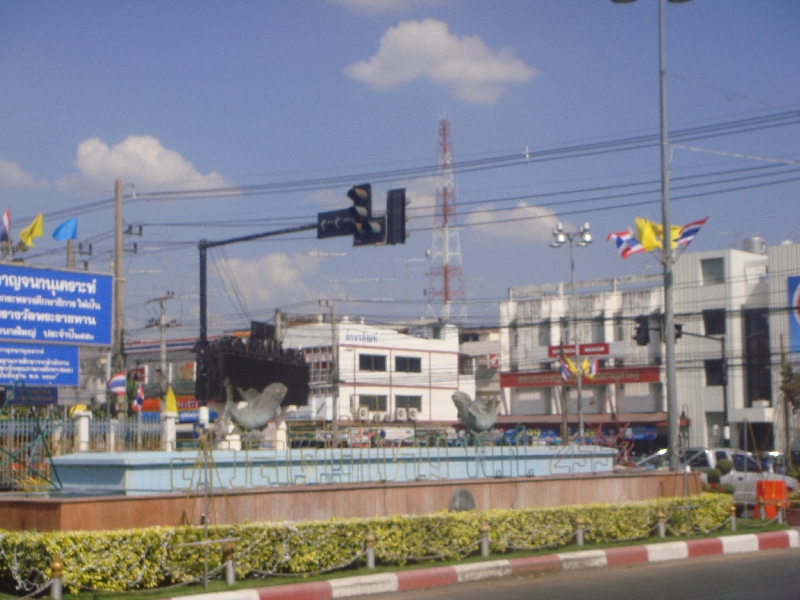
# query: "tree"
790 385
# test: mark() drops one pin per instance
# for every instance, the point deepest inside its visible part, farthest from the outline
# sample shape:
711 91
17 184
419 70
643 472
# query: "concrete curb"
363 585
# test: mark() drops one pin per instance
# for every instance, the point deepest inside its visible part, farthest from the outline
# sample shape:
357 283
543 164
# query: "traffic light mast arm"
201 379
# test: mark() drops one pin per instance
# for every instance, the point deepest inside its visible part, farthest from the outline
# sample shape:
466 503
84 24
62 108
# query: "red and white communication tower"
445 275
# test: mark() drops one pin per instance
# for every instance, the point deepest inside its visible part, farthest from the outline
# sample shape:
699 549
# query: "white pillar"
168 430
82 418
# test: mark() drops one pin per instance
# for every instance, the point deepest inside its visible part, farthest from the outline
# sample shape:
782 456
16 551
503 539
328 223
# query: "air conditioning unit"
412 414
363 413
400 414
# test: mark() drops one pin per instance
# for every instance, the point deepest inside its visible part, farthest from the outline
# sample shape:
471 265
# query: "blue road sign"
63 307
39 364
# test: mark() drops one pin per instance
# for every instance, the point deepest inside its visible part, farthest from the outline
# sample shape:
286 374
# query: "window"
374 403
619 329
740 460
408 364
544 333
371 362
408 402
714 321
713 271
599 329
469 336
714 372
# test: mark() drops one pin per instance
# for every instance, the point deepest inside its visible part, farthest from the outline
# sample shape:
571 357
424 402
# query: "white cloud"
374 7
11 175
140 160
525 223
273 279
427 49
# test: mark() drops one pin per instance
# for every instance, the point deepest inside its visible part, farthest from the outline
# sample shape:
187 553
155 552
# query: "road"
770 575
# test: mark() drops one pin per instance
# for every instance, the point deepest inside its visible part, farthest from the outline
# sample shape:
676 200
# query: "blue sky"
197 95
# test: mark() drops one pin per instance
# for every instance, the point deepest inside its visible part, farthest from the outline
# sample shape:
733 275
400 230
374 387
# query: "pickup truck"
746 470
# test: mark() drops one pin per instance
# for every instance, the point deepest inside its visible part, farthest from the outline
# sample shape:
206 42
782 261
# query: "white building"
382 369
732 306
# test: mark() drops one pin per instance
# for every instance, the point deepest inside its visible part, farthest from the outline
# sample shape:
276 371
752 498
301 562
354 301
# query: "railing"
26 445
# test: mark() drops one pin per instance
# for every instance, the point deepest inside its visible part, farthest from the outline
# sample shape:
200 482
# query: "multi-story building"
732 309
385 371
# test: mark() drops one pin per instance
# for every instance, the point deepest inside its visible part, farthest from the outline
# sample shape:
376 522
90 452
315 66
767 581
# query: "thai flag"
139 400
689 231
626 243
117 383
564 370
5 226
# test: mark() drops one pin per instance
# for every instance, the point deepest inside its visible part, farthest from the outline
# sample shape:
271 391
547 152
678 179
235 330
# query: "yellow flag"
585 366
34 230
651 234
170 403
572 368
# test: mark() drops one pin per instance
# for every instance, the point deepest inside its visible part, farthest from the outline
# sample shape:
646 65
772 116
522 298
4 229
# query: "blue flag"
68 230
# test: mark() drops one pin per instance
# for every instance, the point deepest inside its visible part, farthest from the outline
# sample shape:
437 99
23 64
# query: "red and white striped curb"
364 585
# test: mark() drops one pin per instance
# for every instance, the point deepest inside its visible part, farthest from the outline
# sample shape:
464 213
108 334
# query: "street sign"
39 364
335 223
60 307
593 349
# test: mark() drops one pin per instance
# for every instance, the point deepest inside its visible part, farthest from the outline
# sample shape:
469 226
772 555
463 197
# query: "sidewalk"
439 576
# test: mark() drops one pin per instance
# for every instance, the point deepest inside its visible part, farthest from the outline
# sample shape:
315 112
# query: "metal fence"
26 445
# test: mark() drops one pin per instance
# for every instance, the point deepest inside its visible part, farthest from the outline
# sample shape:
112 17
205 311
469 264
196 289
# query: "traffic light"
642 335
678 330
396 216
368 229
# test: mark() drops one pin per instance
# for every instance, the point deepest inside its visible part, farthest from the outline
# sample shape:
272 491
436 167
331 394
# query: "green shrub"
156 556
724 466
713 475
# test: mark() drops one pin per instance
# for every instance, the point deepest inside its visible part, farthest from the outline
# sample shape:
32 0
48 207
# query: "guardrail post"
57 566
780 506
484 539
762 514
579 530
370 543
227 557
733 517
662 529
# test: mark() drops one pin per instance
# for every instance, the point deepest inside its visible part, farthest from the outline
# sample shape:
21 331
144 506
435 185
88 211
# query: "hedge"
157 556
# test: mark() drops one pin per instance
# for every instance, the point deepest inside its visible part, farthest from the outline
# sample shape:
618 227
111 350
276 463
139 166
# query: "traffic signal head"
396 216
642 334
367 229
361 195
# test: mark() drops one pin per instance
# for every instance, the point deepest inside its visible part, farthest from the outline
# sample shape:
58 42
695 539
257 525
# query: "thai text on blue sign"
38 364
44 305
794 314
36 396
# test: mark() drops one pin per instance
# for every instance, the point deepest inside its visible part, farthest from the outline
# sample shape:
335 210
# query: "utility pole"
162 324
119 282
70 254
334 371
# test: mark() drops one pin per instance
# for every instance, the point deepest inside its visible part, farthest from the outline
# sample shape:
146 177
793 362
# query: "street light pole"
583 236
673 428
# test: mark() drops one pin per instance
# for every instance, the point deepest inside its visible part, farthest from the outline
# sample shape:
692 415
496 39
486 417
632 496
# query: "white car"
743 476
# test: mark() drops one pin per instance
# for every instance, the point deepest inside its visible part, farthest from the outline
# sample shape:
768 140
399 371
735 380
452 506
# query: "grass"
742 526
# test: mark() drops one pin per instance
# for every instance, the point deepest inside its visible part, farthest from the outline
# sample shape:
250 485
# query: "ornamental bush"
157 556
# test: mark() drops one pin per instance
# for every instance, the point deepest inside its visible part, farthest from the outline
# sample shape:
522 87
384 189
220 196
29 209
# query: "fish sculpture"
261 407
479 414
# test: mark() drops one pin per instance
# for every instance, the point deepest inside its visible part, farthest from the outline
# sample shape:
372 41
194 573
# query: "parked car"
742 477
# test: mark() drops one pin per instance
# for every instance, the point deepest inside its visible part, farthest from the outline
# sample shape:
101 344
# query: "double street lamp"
582 237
